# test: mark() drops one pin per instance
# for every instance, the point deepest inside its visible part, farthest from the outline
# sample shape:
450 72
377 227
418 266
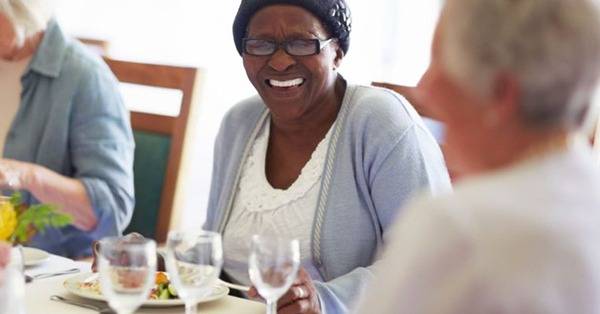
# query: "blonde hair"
28 17
552 47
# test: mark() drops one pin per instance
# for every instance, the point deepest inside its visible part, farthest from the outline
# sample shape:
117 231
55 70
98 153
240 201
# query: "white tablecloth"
37 295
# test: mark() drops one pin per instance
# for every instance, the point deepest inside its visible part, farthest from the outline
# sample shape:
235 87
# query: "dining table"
39 291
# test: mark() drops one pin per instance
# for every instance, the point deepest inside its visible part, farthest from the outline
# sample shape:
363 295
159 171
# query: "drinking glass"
273 266
194 261
127 272
12 284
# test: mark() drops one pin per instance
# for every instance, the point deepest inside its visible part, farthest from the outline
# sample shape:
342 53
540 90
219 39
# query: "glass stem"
271 307
191 308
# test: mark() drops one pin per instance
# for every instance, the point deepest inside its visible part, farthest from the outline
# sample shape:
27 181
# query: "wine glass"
273 266
194 261
127 270
12 283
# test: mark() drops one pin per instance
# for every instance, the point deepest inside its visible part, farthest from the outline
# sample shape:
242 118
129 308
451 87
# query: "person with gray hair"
64 130
512 81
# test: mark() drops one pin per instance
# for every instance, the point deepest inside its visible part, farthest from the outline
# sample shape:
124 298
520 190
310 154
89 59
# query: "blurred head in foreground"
509 75
512 81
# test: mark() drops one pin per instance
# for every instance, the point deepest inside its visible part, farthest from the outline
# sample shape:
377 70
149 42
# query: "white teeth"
290 83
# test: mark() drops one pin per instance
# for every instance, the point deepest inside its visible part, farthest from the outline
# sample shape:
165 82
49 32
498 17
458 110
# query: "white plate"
33 256
73 285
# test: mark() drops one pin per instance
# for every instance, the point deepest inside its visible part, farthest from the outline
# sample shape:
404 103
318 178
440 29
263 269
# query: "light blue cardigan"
380 154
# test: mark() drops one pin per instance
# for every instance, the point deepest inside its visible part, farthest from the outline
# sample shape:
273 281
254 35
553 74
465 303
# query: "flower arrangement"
19 222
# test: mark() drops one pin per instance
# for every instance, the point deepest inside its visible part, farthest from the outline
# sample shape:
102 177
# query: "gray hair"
552 47
27 16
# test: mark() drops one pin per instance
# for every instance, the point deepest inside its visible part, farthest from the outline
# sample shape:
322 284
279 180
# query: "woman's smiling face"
292 87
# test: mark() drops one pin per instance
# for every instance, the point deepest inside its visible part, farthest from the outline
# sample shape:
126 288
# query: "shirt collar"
49 56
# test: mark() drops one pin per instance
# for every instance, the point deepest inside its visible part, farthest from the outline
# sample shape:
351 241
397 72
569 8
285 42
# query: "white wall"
390 41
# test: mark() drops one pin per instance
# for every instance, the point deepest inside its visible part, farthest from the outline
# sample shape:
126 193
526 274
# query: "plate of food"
163 294
33 256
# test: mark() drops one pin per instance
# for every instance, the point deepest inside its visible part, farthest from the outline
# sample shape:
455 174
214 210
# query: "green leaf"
38 217
60 220
16 199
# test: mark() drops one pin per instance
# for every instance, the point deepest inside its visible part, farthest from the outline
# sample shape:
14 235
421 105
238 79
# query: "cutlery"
97 308
92 278
29 278
234 286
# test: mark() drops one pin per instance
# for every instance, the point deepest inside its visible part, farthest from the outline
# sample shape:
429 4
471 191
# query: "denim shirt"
72 120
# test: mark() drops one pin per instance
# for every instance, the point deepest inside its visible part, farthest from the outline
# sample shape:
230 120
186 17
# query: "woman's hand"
132 237
48 186
13 174
302 297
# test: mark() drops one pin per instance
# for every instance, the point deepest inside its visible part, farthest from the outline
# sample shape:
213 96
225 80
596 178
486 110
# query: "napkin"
57 263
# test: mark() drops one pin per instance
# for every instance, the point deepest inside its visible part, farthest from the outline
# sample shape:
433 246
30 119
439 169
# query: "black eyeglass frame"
319 44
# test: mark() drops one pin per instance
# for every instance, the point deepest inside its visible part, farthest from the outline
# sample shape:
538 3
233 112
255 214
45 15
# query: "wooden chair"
159 144
408 93
98 46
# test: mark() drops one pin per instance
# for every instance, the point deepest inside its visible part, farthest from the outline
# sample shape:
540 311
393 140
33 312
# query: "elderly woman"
64 130
313 157
520 233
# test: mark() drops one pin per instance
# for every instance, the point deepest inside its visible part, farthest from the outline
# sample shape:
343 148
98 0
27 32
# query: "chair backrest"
99 46
434 126
159 144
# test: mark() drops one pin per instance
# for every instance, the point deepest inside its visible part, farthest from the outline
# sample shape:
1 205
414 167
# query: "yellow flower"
8 220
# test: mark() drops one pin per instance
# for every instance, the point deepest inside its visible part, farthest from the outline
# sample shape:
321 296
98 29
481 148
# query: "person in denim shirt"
68 140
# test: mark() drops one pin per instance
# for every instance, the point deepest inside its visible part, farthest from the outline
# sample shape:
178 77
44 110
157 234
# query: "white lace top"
258 208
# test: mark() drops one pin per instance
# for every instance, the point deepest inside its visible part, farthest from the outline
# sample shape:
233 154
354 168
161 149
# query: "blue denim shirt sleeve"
102 151
72 120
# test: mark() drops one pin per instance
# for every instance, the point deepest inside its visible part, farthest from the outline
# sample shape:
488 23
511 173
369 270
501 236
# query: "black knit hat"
334 14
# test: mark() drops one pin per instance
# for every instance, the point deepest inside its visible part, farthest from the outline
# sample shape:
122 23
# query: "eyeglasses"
293 47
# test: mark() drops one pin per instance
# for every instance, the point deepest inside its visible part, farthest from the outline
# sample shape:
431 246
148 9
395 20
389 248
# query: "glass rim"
137 243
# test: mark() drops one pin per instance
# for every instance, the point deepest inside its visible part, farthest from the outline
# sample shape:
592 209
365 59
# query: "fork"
29 278
97 308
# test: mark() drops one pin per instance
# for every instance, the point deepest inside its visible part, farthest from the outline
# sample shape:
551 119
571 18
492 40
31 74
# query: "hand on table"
134 236
302 297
